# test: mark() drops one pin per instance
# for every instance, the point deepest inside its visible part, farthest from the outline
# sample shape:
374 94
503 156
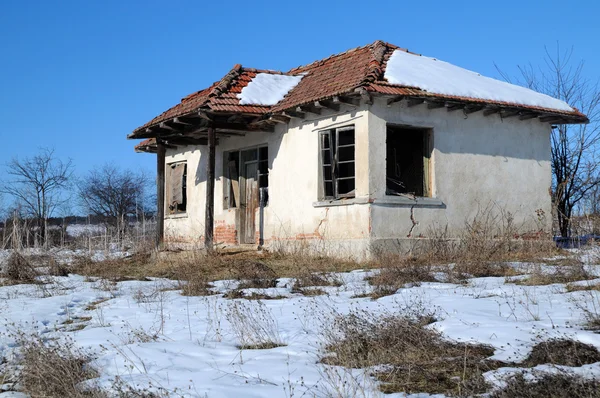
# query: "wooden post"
160 193
210 192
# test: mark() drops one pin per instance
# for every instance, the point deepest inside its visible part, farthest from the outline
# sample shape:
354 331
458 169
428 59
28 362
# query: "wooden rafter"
507 112
308 109
472 108
395 99
434 104
415 101
327 105
346 100
490 110
453 106
294 114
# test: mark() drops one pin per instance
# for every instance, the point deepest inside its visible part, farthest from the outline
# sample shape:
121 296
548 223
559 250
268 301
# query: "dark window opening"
176 187
338 163
407 161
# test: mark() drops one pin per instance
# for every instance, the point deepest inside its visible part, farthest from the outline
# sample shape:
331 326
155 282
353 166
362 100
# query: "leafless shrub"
562 352
56 268
52 369
18 270
253 325
397 272
561 384
406 356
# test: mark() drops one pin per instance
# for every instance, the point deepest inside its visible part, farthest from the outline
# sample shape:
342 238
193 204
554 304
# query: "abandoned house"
372 147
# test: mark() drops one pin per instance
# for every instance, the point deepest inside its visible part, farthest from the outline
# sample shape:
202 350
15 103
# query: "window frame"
428 137
333 138
176 211
227 181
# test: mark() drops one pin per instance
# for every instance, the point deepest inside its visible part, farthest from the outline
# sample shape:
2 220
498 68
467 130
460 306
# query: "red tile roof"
361 67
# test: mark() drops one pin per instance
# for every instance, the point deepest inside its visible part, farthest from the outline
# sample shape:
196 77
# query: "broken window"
407 161
337 163
233 162
176 187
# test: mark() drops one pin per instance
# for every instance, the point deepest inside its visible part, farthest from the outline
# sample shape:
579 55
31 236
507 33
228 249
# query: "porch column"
210 192
160 193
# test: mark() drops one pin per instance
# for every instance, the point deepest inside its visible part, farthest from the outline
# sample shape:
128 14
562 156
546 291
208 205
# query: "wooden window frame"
228 182
427 155
329 142
171 208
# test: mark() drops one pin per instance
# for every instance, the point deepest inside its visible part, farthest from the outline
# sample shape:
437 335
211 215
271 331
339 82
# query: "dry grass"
549 385
562 352
17 269
56 370
195 270
409 356
398 272
239 294
560 274
587 287
253 324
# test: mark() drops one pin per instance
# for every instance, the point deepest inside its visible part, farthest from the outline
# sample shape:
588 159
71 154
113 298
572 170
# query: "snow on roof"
443 78
267 89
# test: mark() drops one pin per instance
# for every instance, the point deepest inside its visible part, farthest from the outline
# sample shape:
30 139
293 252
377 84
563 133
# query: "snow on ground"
268 89
195 353
441 77
85 229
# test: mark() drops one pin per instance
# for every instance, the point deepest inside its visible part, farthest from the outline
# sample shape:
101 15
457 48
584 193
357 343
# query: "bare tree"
38 185
114 194
574 161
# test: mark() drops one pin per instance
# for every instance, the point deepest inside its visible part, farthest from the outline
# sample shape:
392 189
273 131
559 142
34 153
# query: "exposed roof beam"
551 119
473 108
392 100
279 119
204 116
434 104
309 109
182 121
415 101
454 106
506 113
527 115
327 104
296 115
490 110
346 100
165 126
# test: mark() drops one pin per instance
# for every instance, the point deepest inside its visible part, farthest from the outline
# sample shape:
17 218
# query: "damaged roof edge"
337 75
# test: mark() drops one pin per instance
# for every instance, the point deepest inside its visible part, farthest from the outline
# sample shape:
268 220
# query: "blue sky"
80 75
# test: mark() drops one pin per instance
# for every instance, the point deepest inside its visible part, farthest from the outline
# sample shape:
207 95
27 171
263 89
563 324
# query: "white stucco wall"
477 162
293 186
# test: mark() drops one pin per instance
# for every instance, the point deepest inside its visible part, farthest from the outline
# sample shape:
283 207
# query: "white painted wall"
477 162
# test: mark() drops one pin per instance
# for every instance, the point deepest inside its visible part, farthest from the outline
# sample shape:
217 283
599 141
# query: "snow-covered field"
147 334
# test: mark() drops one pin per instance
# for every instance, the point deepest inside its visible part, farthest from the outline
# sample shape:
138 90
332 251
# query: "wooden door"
250 200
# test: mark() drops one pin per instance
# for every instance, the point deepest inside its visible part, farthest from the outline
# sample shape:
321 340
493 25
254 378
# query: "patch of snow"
267 89
85 229
195 352
441 77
